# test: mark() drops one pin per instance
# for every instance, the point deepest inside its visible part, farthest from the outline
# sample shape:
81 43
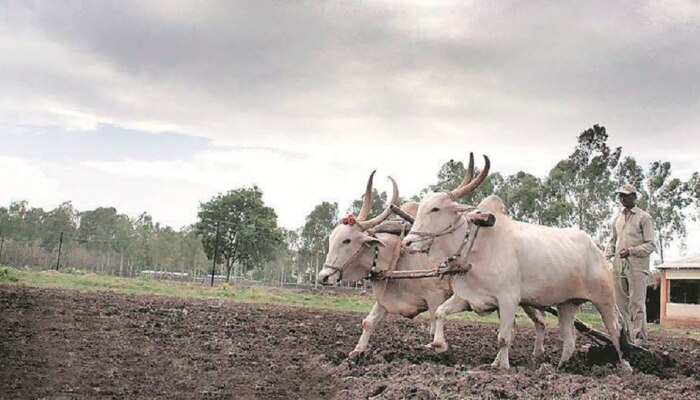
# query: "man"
631 244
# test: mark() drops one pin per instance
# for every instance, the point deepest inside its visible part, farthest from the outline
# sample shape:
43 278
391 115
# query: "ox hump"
492 204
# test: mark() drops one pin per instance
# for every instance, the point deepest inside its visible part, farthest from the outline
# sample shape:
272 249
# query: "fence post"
58 258
316 275
2 243
216 254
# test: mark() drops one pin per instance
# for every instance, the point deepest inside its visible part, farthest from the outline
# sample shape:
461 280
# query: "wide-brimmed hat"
626 189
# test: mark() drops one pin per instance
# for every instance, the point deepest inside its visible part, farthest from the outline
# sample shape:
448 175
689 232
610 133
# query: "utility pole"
216 254
58 258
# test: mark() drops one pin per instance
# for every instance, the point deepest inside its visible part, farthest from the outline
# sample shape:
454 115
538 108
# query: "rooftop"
682 263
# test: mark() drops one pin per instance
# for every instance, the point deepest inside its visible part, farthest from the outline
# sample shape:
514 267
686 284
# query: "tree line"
577 192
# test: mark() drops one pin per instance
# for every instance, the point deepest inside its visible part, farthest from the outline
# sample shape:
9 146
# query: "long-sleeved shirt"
633 230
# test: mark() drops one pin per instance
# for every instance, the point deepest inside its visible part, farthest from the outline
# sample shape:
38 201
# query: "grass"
77 280
74 280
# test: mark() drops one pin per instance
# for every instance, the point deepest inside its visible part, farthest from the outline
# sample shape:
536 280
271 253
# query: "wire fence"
110 256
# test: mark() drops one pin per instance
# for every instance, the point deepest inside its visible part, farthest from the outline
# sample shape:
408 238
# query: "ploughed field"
67 344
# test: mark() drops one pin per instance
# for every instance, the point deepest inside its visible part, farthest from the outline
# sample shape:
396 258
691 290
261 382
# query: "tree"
557 209
578 189
667 199
24 222
99 231
59 222
318 226
291 257
694 189
629 171
316 230
191 252
248 228
521 194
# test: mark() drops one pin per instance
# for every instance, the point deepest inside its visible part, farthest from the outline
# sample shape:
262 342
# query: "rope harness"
454 264
423 236
352 258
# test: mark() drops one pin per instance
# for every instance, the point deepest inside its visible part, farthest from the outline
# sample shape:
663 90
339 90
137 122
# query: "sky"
159 105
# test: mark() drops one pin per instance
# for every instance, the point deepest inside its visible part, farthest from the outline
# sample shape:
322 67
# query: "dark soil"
66 344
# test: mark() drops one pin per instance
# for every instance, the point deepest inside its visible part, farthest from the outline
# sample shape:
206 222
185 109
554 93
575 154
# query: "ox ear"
372 241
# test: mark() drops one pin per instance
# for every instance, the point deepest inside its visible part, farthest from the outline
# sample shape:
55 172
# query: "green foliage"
378 204
578 189
629 171
318 226
694 190
248 230
8 274
100 240
314 237
521 193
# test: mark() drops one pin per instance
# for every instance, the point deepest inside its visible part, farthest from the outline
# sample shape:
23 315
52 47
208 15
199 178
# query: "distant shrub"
9 274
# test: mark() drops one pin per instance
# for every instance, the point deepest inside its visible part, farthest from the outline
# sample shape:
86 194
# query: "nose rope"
351 259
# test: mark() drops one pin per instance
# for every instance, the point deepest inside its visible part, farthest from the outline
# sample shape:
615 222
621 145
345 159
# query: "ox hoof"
537 353
626 367
500 366
439 347
355 354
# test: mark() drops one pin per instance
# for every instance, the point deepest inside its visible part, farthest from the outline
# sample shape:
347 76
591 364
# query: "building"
680 292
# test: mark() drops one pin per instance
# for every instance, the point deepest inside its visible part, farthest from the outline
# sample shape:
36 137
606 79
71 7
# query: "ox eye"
346 241
435 209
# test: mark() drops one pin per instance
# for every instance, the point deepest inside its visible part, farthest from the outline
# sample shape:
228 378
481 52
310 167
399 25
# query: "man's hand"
624 253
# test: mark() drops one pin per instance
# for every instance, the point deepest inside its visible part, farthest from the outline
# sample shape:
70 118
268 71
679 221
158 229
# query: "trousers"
630 296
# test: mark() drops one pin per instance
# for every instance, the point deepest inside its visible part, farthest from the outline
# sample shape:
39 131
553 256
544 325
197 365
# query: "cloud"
22 180
256 72
104 143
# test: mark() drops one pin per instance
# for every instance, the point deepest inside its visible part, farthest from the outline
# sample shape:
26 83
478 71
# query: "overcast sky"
155 106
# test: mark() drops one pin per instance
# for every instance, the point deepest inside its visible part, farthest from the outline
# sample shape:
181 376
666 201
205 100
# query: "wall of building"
677 314
682 274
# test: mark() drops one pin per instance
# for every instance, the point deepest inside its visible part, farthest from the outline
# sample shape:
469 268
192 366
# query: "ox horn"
470 171
367 199
387 211
462 190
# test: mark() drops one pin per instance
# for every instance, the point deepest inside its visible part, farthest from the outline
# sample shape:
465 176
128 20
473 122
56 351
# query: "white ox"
354 248
514 263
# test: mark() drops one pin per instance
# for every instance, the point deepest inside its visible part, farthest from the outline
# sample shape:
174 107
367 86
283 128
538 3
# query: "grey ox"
358 246
514 263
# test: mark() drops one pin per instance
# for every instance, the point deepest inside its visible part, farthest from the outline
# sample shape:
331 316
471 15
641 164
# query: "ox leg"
375 316
506 312
538 318
567 313
608 312
452 305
